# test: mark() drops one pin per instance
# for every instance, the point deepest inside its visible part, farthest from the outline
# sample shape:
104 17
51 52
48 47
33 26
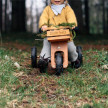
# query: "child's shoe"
43 63
80 56
76 64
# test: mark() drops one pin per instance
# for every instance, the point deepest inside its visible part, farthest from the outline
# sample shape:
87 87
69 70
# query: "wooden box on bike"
58 35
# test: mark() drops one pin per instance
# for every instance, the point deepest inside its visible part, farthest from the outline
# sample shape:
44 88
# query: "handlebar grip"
40 31
76 29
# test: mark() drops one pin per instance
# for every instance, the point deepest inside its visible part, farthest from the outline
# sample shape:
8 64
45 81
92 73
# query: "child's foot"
76 64
42 64
80 56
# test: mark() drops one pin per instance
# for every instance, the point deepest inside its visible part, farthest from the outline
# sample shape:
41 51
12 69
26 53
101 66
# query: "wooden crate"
58 35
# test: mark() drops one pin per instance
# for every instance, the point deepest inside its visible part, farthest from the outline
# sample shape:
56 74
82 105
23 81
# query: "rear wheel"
59 64
34 57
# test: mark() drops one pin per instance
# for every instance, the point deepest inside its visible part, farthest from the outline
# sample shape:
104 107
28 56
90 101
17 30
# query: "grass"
6 76
8 80
22 37
28 38
86 87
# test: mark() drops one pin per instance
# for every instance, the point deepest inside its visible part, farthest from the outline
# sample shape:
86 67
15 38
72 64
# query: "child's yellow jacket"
67 16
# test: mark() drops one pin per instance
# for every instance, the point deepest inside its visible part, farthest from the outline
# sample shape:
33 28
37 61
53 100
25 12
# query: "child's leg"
72 54
45 55
46 50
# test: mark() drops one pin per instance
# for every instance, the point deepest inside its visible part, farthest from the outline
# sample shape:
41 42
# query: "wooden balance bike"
58 37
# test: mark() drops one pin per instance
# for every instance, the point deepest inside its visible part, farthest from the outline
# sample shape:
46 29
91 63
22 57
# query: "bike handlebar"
49 28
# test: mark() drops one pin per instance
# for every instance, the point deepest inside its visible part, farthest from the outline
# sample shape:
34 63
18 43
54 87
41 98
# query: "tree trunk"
87 16
47 2
5 15
18 15
0 15
103 6
77 7
107 21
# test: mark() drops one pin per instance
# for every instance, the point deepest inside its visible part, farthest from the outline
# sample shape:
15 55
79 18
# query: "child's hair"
66 2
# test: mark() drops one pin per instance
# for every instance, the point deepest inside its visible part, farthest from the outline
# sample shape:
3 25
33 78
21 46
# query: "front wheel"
34 57
59 63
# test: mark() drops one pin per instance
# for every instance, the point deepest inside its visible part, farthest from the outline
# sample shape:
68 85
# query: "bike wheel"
59 64
34 57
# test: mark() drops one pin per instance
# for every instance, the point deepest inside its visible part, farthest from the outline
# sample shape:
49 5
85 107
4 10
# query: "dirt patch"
98 47
27 47
16 45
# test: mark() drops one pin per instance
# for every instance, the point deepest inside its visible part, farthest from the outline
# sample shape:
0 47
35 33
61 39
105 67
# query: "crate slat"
58 32
59 38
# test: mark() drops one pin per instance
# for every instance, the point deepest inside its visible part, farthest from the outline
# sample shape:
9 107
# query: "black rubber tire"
59 64
34 57
80 56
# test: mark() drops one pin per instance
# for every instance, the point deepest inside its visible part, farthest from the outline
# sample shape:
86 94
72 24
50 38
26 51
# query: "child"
56 13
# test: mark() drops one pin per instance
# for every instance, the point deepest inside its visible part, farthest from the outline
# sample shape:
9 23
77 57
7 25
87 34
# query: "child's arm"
43 19
70 16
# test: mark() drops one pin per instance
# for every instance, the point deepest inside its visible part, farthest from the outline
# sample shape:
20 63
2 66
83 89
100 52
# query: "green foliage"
87 106
67 24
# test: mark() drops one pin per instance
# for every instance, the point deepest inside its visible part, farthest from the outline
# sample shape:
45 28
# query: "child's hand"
73 27
44 28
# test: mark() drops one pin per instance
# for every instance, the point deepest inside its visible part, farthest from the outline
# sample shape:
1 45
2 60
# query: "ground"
27 47
25 87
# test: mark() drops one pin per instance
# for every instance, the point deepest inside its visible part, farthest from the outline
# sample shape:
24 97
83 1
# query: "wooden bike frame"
59 38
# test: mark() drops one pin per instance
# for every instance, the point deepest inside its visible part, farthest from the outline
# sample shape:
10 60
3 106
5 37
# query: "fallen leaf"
105 67
17 65
6 57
